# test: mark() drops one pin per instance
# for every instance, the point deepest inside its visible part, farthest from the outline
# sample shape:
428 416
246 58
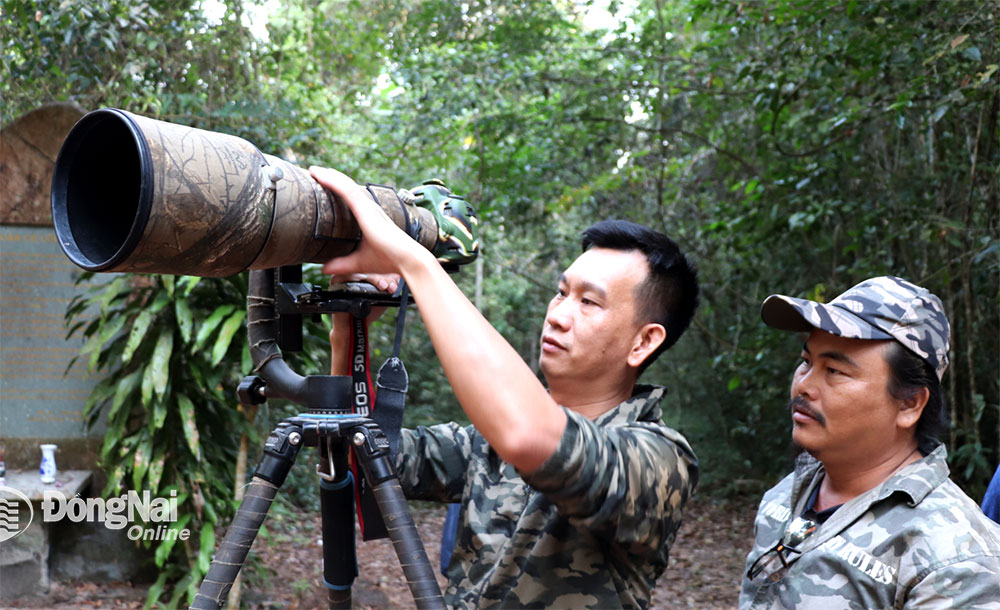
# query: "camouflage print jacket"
915 541
590 529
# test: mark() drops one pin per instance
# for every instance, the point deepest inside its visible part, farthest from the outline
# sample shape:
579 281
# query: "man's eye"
833 371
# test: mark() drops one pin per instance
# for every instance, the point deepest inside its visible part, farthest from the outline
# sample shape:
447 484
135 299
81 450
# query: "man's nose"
559 314
803 383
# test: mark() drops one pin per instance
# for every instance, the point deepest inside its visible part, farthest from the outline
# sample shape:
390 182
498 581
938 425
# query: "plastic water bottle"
48 468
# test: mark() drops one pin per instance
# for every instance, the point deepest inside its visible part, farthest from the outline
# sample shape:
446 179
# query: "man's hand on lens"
384 247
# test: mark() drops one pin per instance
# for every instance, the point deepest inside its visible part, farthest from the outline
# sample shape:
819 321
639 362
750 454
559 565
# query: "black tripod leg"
280 450
372 451
409 547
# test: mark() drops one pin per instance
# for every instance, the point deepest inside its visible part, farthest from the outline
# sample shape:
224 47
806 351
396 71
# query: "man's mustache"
800 403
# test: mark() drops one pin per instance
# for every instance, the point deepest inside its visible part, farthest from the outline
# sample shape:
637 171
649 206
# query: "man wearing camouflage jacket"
572 494
869 517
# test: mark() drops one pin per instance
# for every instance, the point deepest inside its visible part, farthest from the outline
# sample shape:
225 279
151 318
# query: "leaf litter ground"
705 566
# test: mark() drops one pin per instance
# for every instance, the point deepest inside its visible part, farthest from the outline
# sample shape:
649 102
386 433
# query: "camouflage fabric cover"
877 308
591 528
915 541
458 225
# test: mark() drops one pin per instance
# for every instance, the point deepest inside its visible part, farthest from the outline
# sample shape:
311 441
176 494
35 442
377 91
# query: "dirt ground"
704 572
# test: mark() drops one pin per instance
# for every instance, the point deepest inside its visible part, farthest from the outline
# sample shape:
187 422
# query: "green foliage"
871 145
864 135
170 369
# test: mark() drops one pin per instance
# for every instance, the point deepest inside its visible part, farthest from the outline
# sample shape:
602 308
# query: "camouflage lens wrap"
458 226
877 308
134 194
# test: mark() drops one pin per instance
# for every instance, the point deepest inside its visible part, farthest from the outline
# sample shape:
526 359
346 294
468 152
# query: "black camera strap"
361 403
393 382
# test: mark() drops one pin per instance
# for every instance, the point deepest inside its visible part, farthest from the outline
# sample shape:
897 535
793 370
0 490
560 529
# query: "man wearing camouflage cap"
869 517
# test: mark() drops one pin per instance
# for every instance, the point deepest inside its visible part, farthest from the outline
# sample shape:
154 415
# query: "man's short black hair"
669 295
907 374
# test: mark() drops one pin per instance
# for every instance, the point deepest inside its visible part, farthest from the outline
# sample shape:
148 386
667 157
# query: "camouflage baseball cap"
877 308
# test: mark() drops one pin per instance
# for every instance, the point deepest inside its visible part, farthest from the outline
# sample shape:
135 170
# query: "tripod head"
277 300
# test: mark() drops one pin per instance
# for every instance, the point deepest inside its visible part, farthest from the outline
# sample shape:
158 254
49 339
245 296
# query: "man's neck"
847 480
589 401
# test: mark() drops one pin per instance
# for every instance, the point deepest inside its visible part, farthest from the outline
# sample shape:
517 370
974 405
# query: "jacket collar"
644 405
915 480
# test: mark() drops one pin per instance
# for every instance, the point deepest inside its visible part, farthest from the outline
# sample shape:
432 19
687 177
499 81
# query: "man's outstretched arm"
500 394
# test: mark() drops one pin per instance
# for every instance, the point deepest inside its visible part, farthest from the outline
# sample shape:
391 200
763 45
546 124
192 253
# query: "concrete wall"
41 396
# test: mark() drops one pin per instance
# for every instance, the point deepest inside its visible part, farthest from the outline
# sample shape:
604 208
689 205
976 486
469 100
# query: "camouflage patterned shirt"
590 529
915 541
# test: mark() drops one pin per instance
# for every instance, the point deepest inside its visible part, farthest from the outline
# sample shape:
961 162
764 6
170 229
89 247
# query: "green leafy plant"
171 350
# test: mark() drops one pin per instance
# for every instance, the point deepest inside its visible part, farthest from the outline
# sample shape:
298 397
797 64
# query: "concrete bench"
24 559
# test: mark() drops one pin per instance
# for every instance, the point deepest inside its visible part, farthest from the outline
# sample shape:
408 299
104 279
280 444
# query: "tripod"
276 301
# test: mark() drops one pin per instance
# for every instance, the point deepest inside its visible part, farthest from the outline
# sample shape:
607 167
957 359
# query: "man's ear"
647 339
912 408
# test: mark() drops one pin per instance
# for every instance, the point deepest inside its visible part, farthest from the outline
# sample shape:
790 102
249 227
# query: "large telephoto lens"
131 193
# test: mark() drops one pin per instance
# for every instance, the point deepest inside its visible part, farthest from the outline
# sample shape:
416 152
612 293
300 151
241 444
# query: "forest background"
792 147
